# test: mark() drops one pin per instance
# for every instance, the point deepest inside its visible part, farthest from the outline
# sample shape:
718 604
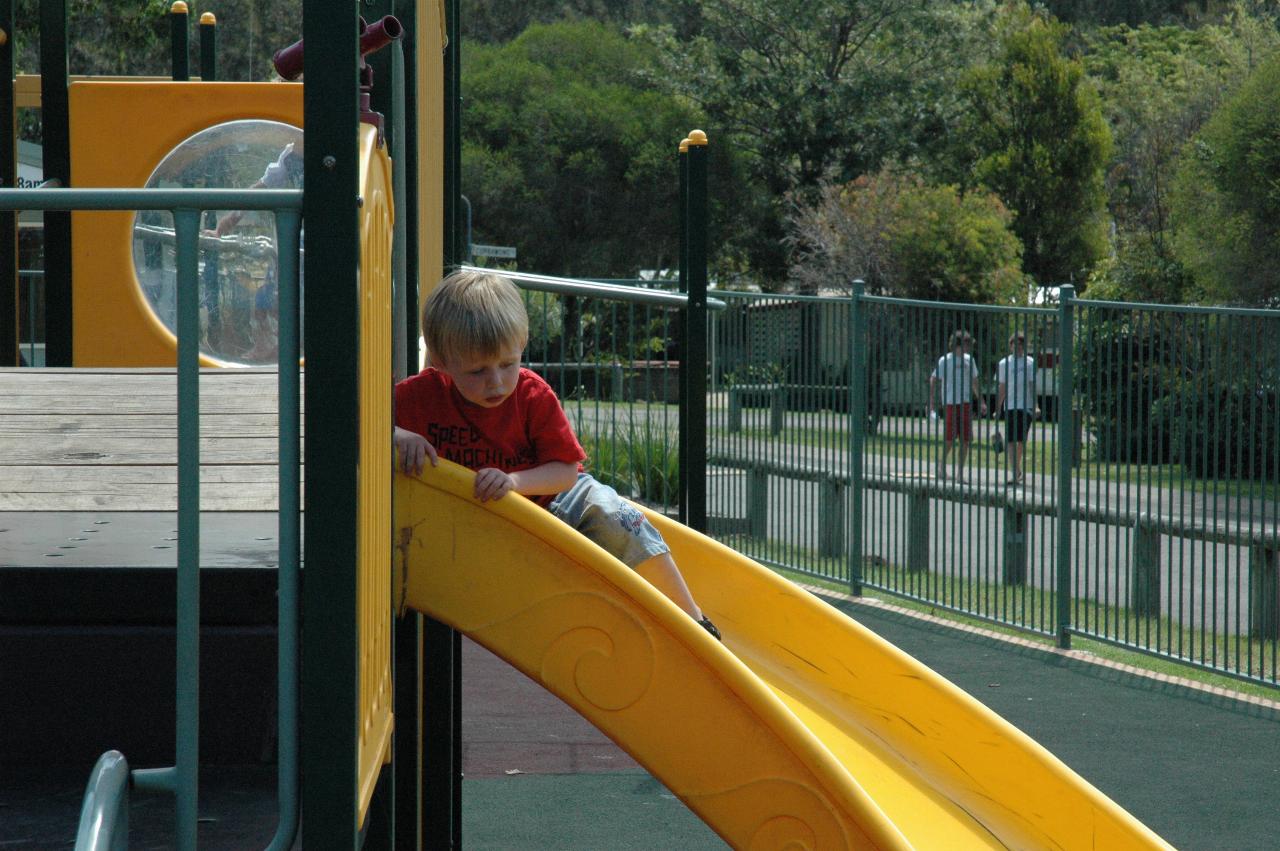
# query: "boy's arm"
549 478
977 392
413 449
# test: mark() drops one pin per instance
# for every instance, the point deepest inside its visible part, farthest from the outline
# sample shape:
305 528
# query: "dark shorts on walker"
1017 422
597 511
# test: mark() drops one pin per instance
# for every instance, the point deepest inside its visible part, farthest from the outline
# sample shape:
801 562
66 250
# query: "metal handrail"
186 205
104 815
595 289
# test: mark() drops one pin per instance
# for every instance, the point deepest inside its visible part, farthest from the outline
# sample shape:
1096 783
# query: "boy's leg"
597 511
965 415
661 572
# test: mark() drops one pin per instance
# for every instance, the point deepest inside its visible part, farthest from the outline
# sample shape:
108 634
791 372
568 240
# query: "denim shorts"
596 510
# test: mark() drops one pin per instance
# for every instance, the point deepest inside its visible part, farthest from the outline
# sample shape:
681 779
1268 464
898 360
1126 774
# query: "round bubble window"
238 268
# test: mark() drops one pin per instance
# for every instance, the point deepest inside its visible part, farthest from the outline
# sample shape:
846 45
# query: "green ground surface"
1201 769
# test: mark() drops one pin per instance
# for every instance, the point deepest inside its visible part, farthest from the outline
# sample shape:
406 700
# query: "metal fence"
611 352
1140 508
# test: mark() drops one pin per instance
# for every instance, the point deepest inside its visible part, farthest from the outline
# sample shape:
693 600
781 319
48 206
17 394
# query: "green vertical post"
288 226
442 647
187 764
857 429
1015 546
1264 592
918 530
758 502
1144 580
330 644
831 518
9 283
208 47
179 42
696 403
682 224
1066 451
56 130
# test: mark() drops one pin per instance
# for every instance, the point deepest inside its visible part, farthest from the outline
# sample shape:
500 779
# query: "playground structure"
854 745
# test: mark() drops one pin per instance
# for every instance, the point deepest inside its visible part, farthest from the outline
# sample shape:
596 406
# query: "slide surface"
803 730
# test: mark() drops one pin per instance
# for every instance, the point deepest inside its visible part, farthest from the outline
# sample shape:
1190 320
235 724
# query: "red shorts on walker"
959 423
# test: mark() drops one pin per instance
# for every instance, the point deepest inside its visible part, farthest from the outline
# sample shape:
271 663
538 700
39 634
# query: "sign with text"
505 252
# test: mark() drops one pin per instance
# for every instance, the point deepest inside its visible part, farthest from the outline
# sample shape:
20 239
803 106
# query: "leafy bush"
1226 431
1126 363
910 239
639 460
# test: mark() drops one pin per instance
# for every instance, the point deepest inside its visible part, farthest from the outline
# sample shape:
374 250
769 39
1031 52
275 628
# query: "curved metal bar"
594 289
104 815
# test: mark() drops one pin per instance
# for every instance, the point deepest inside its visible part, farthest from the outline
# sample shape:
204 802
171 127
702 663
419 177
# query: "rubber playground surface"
1200 768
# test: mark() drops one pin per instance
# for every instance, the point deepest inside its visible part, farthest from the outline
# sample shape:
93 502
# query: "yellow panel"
804 730
120 131
373 532
430 136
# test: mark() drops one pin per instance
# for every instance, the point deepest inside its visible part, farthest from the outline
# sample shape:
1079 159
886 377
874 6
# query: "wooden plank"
222 488
73 450
106 440
146 426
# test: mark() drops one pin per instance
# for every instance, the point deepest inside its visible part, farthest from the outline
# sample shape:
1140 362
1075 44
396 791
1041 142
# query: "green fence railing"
1139 508
186 205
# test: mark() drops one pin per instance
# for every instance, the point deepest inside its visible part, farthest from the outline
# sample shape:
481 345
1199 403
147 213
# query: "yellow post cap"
684 145
178 8
697 137
208 19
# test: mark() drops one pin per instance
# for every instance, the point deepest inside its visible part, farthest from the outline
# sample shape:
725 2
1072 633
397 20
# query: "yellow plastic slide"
804 730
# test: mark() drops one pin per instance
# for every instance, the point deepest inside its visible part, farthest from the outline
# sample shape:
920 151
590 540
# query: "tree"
569 153
1227 206
1158 86
906 238
811 91
498 21
1037 138
112 38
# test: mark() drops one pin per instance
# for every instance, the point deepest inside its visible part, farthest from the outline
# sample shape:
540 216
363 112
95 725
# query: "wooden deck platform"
106 440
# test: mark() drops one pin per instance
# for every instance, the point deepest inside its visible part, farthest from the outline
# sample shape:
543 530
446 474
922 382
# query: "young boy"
476 406
957 373
1016 375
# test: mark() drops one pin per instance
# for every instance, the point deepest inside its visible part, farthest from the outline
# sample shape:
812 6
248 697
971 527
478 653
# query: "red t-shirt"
528 430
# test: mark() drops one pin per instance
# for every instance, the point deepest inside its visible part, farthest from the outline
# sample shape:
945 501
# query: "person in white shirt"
1017 398
957 374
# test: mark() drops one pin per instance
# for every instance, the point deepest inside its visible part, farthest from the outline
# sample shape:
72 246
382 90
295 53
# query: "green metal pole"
330 644
682 437
9 283
187 765
442 646
696 403
1066 439
857 430
208 47
288 225
179 42
56 129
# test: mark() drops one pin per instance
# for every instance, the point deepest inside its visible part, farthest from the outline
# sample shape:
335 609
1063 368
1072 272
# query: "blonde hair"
473 313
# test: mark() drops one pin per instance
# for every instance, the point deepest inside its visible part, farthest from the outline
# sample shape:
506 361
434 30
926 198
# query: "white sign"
30 165
506 252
